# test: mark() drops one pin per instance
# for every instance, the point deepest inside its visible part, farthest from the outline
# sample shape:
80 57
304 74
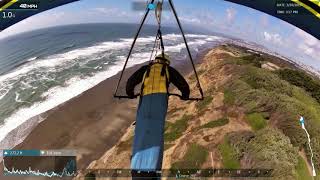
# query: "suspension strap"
158 43
130 52
159 37
159 17
159 12
190 56
161 42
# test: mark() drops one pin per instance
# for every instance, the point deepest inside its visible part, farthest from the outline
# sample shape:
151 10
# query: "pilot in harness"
148 143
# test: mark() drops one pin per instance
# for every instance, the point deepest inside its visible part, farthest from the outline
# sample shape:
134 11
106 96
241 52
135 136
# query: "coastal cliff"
249 118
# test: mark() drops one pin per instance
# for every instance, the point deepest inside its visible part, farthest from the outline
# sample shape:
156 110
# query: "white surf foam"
32 59
17 98
3 92
55 96
59 59
58 95
75 86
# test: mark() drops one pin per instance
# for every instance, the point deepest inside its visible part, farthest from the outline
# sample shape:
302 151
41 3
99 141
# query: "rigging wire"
130 52
159 41
189 53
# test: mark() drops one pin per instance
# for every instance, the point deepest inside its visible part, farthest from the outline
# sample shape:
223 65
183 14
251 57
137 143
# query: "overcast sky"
214 15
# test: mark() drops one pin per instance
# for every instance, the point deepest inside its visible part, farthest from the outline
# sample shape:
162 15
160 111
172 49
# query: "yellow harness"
155 79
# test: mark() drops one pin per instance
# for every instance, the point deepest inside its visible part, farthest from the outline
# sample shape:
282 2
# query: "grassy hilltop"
249 118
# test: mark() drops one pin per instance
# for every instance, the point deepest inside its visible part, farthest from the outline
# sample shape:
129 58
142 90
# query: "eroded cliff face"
186 120
204 134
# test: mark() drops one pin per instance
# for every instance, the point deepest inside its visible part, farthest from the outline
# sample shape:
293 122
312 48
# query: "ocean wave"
59 59
176 36
17 98
32 59
78 84
69 46
4 92
123 43
54 97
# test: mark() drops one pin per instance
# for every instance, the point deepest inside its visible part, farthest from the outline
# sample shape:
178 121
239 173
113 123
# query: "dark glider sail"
13 11
304 14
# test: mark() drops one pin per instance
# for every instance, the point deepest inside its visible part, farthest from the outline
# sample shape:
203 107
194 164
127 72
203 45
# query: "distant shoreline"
95 110
91 123
60 72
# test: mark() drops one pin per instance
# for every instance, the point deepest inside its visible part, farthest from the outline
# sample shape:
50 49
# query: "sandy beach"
91 123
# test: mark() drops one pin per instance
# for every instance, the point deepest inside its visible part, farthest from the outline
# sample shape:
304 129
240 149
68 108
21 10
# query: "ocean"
44 68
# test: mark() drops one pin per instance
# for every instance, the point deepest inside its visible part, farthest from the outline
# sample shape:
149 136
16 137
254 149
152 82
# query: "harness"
159 45
155 79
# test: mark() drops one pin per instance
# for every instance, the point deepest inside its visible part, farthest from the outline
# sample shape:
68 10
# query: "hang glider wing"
13 11
304 14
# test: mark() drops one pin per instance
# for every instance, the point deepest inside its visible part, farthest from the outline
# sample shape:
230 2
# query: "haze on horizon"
211 15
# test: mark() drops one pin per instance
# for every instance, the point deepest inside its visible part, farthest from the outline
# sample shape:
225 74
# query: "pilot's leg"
148 140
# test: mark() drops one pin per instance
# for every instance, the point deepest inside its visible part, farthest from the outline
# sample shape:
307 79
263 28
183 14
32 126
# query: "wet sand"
91 123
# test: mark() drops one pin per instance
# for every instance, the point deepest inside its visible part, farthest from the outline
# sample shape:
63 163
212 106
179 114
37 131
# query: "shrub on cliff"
195 156
283 97
267 149
303 80
176 129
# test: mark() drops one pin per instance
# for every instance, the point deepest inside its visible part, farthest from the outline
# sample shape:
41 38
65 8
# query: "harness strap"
159 37
164 72
161 41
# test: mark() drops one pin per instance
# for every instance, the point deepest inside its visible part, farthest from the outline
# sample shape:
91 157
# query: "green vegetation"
267 149
240 140
252 59
167 125
277 97
302 170
256 121
315 142
175 130
90 176
195 156
229 155
237 50
229 97
229 61
272 149
201 105
215 123
303 80
263 79
260 91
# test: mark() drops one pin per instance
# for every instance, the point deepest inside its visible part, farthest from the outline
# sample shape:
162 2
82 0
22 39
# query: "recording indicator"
46 163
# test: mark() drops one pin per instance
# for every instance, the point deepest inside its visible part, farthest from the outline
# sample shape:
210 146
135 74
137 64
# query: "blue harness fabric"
148 139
